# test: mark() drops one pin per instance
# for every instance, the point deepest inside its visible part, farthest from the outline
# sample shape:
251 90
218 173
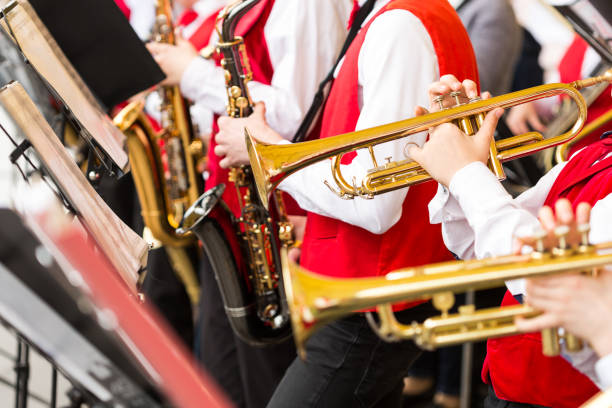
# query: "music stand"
592 20
110 63
66 301
125 249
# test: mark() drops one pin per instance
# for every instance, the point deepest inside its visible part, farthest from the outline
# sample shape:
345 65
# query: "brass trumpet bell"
272 163
315 300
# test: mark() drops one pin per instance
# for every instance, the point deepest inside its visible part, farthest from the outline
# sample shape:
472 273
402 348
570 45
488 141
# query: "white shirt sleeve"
142 17
294 31
493 215
603 369
387 63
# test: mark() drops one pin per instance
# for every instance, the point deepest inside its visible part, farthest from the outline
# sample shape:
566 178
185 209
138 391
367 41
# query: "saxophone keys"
242 102
235 92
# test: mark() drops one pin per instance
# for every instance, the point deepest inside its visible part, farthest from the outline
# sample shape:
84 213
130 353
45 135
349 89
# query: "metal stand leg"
22 371
53 399
466 364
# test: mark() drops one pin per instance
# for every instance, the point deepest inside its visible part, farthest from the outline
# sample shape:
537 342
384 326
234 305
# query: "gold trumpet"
272 163
315 300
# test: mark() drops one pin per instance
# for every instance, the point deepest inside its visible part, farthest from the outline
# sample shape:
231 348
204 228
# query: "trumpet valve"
443 302
561 233
440 101
456 95
584 230
572 343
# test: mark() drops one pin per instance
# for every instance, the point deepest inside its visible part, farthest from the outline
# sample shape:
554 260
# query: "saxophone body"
252 291
164 163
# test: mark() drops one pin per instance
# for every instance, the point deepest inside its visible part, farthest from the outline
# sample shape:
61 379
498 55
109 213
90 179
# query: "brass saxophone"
164 164
253 293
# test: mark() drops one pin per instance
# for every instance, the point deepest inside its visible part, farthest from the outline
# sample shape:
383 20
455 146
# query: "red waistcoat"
251 28
570 69
124 8
516 367
335 248
201 36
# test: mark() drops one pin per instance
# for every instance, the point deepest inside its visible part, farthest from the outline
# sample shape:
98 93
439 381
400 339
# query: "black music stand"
59 320
102 46
592 20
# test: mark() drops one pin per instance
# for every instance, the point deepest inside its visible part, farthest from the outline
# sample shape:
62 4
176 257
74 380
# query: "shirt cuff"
444 208
603 368
476 188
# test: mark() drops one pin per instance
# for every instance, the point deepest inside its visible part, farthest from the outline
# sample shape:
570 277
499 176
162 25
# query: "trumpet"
315 300
273 163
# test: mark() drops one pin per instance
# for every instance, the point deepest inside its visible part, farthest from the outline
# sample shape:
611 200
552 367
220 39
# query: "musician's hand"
580 304
562 216
448 149
448 84
299 226
230 140
173 59
520 117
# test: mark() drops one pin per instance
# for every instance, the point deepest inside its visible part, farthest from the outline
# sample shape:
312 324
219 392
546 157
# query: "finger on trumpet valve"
539 234
584 230
561 232
440 101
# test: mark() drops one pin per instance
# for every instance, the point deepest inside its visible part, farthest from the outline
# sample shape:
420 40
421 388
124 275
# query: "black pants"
348 365
248 375
164 290
493 402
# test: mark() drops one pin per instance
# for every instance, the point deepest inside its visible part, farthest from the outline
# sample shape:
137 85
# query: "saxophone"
164 164
253 292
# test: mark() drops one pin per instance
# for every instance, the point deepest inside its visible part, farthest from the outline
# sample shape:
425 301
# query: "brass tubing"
316 300
561 154
272 163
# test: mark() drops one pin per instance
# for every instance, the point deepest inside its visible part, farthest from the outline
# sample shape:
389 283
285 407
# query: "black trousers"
248 375
493 402
164 290
348 365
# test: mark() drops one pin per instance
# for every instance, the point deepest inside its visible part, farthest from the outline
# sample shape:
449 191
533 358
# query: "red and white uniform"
480 219
403 45
291 45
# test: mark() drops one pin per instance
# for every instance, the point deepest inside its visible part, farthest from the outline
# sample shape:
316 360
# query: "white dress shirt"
142 17
480 219
397 62
303 39
603 370
201 116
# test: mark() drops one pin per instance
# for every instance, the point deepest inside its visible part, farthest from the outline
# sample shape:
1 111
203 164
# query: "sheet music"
124 248
20 20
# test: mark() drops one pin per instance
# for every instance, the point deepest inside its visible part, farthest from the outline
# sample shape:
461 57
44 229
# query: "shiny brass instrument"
272 163
250 283
164 164
562 151
315 300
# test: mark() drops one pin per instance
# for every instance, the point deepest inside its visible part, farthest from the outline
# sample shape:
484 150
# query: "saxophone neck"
235 59
163 30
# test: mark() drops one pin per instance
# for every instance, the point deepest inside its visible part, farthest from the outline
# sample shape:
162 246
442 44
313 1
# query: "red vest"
124 8
251 28
516 367
335 248
570 69
201 36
